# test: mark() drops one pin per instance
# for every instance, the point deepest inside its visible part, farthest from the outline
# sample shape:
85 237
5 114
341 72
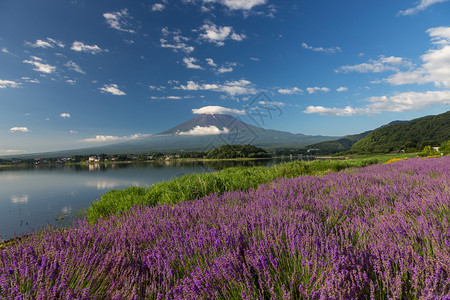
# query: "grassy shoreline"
194 186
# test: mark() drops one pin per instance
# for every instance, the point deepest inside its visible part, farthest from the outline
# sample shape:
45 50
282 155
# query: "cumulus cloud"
110 138
112 89
65 115
290 91
82 47
158 7
342 89
218 35
423 4
11 151
240 4
39 66
9 83
409 101
208 130
189 62
74 67
436 63
48 43
175 41
321 49
217 110
224 70
232 88
211 62
119 20
315 89
382 64
19 129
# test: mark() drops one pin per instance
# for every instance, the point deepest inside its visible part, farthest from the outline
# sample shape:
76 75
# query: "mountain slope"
401 135
336 146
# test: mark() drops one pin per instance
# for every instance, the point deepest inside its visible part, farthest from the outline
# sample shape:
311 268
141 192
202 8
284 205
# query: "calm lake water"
35 197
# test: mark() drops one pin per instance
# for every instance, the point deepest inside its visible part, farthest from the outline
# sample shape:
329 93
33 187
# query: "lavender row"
380 232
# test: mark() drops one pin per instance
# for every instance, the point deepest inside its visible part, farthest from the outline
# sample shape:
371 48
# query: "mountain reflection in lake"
35 197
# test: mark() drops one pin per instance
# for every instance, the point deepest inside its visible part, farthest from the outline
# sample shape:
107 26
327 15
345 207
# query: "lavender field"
379 232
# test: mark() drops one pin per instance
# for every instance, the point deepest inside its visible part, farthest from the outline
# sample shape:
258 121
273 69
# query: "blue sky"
76 74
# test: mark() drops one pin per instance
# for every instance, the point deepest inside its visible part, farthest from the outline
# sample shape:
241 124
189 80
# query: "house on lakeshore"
94 158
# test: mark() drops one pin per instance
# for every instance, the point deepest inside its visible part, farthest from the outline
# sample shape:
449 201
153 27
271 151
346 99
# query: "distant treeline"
238 151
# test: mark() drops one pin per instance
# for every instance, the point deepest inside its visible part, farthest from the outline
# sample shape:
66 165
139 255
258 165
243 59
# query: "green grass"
194 186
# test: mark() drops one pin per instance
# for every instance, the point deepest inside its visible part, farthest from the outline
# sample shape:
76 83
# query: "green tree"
445 148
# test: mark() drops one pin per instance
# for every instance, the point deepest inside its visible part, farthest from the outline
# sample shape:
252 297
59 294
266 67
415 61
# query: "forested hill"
409 136
340 145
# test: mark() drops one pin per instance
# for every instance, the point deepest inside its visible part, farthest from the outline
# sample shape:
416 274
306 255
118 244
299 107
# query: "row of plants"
194 186
379 232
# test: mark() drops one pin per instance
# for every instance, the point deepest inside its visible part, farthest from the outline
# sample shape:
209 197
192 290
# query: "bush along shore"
194 186
379 232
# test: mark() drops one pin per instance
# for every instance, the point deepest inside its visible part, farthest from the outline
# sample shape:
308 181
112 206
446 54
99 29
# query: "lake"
38 196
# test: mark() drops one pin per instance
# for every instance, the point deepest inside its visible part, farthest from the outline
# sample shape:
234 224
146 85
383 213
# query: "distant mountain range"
206 132
201 133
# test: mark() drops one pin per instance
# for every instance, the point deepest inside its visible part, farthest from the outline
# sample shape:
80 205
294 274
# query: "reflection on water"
32 197
19 199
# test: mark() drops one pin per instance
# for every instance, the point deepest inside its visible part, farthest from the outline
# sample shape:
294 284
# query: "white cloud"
158 7
321 49
208 130
291 91
217 110
48 43
168 97
74 67
71 81
271 103
382 64
110 138
9 83
312 90
409 101
239 4
342 89
39 66
255 58
28 79
424 4
189 62
224 70
119 20
73 132
232 88
331 111
10 151
218 35
82 47
178 41
436 63
211 62
19 129
65 115
112 89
